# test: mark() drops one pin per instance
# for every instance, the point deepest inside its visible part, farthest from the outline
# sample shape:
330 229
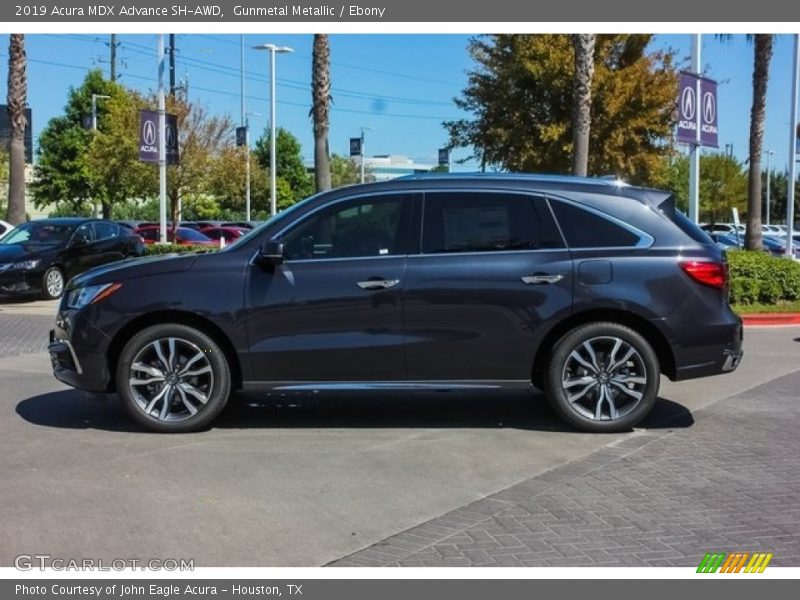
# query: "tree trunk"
17 99
321 97
762 56
582 102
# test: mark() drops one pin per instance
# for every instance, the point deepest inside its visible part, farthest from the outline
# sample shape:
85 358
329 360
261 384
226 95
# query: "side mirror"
78 240
270 254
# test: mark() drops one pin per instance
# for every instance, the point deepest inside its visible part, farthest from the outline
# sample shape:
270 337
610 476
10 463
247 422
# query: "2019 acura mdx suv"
584 288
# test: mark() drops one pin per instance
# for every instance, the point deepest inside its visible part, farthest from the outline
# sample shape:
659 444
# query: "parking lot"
306 480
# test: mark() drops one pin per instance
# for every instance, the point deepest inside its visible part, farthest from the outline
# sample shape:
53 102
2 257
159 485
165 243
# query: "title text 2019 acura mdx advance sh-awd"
586 289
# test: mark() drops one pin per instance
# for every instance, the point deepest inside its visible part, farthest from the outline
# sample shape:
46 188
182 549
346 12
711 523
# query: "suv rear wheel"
173 378
602 377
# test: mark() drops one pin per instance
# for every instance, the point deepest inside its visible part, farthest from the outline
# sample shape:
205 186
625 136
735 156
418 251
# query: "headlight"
90 294
26 265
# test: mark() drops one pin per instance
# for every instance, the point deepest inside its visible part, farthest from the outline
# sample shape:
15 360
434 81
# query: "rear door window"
486 222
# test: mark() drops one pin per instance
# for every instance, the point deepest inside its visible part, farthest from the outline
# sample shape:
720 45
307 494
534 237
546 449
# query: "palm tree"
321 97
582 102
17 99
762 56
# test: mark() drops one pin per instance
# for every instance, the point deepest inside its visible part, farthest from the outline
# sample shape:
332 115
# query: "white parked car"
5 228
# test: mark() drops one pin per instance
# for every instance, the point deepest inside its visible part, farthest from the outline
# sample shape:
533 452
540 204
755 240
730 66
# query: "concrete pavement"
304 480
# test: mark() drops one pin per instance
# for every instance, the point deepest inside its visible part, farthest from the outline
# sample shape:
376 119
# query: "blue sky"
399 85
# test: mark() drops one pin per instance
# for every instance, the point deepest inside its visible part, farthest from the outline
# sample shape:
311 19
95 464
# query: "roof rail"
541 177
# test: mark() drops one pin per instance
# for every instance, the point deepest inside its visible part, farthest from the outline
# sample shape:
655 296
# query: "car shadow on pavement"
14 299
70 409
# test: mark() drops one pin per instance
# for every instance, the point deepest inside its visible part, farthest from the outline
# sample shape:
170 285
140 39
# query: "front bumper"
78 355
20 282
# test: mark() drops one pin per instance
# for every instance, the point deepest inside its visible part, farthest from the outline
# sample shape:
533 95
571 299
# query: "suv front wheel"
173 378
602 377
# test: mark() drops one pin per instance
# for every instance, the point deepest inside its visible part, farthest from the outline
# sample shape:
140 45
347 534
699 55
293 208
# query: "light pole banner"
148 137
355 146
688 106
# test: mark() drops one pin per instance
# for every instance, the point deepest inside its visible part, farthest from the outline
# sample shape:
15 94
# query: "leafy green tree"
288 162
344 171
723 185
227 183
779 190
62 174
521 92
3 166
202 139
114 170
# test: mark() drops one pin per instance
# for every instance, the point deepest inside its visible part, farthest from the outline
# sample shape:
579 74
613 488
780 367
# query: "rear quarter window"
585 229
689 228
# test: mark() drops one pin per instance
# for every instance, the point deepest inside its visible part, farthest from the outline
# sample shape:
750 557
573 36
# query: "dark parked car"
183 236
586 289
39 257
239 224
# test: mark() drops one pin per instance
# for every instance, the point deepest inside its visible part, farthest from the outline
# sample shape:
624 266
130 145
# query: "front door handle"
377 284
541 279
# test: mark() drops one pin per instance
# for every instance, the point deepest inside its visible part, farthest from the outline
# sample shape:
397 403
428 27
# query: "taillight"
712 274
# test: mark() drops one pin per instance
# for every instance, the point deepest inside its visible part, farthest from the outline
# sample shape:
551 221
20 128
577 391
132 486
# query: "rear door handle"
377 284
541 279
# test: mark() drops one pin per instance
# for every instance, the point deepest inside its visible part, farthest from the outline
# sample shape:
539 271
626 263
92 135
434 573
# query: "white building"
389 166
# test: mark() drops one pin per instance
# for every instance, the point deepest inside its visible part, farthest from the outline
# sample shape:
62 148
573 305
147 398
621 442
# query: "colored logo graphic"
734 562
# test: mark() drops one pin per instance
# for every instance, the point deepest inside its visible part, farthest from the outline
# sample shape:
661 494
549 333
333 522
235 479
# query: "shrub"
158 249
759 277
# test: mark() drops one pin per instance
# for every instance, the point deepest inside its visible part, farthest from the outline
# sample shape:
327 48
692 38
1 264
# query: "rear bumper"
722 354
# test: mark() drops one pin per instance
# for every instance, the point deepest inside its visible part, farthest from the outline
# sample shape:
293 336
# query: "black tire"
565 370
189 343
49 291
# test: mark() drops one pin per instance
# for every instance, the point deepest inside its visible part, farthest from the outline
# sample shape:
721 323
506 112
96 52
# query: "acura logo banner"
688 106
148 137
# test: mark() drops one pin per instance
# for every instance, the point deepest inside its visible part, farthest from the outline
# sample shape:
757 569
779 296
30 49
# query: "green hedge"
157 249
759 277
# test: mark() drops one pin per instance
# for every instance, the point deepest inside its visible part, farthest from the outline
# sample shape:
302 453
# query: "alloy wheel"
171 379
54 281
604 378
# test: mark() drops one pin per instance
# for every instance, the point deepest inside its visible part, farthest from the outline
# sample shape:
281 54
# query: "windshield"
54 234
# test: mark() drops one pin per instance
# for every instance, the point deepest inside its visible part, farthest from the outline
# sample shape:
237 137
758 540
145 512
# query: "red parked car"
182 236
229 234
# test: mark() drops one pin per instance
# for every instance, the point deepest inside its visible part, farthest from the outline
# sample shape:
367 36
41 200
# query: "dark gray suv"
584 288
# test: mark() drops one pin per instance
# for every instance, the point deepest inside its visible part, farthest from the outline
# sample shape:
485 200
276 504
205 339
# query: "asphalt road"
287 481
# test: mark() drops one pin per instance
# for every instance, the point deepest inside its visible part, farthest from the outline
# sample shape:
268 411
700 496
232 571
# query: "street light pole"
769 181
694 160
247 162
162 143
363 155
273 50
792 149
94 108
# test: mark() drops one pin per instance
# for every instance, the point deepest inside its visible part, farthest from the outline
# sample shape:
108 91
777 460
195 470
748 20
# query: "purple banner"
688 107
148 137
